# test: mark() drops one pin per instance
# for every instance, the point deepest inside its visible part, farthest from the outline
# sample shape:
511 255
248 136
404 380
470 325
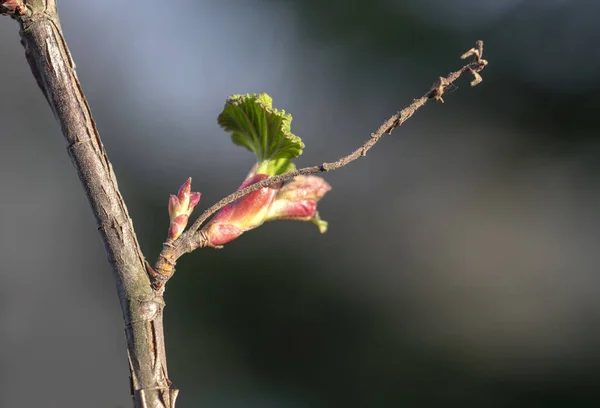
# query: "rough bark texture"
54 70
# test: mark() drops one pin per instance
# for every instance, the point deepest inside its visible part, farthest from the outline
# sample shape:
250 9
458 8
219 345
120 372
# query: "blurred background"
461 263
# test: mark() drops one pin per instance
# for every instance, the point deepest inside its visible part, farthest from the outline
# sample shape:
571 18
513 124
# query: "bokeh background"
461 267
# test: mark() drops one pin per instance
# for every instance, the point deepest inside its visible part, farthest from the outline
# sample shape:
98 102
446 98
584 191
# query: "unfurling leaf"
262 129
256 125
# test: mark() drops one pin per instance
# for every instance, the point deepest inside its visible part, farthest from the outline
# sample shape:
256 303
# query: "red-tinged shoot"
265 131
294 200
297 200
180 208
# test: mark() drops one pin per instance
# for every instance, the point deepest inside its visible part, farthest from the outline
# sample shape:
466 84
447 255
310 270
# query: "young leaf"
256 125
275 167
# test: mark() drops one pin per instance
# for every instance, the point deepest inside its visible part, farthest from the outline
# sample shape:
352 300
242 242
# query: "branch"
192 239
387 127
53 68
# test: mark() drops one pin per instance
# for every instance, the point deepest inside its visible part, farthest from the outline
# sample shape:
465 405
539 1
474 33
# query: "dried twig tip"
477 78
438 89
476 51
476 66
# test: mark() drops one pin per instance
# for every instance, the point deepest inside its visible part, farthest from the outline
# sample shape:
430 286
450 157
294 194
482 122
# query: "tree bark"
54 70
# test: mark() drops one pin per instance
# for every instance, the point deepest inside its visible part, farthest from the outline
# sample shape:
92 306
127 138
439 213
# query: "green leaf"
275 167
256 125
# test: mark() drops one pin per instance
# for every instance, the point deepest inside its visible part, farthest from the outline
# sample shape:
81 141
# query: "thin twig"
386 128
192 239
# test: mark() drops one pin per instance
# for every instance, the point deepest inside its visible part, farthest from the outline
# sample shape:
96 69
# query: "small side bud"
177 227
180 209
184 190
173 207
194 200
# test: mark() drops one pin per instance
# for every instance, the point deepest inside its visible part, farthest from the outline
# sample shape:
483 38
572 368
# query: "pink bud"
185 189
244 214
296 200
284 209
180 208
219 234
173 207
304 187
184 194
177 226
194 200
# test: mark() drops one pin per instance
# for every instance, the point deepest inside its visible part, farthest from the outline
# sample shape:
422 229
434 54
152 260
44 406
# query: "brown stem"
192 238
54 70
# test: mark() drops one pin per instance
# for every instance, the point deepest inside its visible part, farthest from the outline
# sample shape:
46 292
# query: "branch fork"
192 239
